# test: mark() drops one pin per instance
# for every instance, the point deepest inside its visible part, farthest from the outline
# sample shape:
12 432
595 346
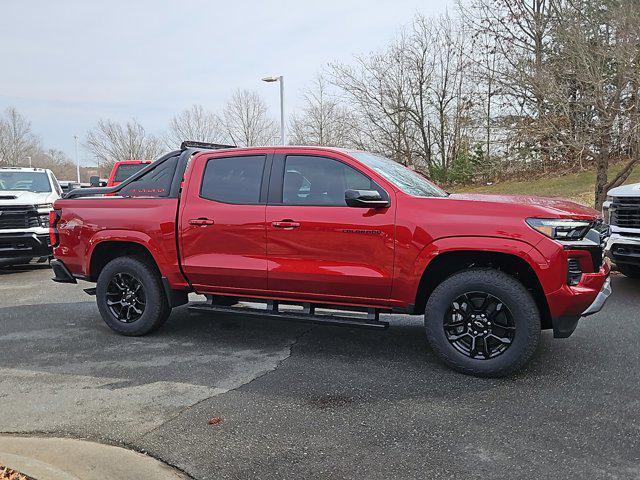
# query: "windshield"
37 182
402 177
125 170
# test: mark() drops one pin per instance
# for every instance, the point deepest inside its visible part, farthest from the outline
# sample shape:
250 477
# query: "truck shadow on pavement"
15 269
208 350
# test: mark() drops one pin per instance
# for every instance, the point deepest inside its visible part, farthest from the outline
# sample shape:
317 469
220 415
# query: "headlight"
559 228
45 206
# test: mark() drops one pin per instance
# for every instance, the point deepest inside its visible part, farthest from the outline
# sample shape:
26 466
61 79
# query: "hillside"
574 186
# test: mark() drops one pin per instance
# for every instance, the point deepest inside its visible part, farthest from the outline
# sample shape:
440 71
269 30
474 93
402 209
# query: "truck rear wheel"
482 322
630 271
130 297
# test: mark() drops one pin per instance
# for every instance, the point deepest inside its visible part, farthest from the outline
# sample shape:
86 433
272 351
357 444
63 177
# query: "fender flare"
509 246
124 236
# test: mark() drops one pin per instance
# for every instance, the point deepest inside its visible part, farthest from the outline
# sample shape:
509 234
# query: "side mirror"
94 180
365 199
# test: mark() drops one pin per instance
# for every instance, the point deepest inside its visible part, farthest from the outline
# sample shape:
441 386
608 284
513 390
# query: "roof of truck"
23 169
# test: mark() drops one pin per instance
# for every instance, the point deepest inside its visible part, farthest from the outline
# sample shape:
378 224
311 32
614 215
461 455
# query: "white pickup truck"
622 212
26 198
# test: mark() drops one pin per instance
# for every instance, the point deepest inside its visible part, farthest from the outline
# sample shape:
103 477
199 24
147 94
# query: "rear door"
222 222
317 246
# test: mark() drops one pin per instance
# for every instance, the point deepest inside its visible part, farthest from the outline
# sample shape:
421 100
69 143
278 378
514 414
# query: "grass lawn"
574 186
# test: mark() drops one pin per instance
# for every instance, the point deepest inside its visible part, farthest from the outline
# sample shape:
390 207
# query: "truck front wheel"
130 297
482 322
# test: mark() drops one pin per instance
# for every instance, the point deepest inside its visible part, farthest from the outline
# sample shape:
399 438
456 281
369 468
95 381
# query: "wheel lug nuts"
485 331
475 333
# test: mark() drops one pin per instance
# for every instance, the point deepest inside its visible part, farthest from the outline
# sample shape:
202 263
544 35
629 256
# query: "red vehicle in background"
124 169
326 229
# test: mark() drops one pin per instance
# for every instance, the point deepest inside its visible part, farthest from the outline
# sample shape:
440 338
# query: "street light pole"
280 79
75 137
29 158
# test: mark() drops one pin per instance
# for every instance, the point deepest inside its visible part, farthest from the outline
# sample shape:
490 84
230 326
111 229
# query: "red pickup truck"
317 234
123 169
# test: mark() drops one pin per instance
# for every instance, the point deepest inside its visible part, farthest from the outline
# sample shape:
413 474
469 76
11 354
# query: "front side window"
37 182
233 179
402 177
320 181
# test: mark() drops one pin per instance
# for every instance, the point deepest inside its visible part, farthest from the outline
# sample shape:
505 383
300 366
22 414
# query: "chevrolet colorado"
312 231
26 198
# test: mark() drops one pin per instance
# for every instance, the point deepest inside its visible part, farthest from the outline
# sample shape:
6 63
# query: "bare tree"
589 83
377 89
448 94
323 121
513 38
246 121
17 141
413 99
197 124
110 142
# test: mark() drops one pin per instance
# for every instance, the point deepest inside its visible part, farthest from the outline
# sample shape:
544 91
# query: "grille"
18 217
15 246
625 212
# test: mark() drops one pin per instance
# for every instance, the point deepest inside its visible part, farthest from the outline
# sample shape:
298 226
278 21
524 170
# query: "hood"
540 206
632 190
21 197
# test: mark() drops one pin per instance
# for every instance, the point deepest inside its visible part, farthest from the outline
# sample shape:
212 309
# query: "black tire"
630 271
521 312
156 307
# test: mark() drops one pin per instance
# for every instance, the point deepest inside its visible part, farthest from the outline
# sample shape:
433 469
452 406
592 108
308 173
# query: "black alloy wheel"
479 325
125 297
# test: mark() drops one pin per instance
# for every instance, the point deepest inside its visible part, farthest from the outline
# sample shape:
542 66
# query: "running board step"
370 322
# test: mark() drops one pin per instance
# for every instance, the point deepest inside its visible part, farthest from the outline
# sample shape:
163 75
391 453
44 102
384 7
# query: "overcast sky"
65 64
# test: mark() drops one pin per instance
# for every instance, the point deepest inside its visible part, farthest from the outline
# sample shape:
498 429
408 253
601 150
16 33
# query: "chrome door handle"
201 222
287 224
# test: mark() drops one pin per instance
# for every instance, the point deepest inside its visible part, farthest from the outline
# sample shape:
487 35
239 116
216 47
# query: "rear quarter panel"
87 222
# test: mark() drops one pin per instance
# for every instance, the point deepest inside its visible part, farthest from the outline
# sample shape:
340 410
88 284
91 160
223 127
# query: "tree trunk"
602 164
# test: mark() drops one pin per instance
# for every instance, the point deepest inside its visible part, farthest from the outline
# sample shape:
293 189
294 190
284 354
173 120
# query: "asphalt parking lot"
301 401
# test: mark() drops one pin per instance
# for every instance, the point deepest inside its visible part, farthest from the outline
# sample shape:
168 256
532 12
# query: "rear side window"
233 179
155 183
125 170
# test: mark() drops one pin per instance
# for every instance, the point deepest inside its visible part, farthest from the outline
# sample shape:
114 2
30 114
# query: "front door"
222 224
317 246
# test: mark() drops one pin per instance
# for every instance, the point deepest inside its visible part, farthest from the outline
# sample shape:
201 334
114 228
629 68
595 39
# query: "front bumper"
600 300
570 303
24 244
624 246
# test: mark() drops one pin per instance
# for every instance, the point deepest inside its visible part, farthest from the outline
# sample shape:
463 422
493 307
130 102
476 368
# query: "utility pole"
75 137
